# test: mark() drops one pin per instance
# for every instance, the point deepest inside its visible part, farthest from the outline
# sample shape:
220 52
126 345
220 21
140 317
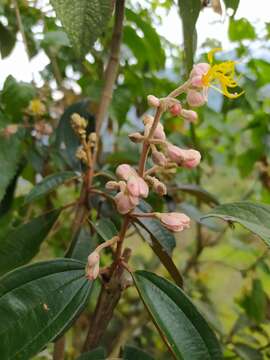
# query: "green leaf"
133 353
196 214
232 4
82 245
16 96
97 354
147 48
9 161
200 193
83 21
7 40
37 303
105 228
241 30
181 326
21 244
189 11
48 184
255 302
254 217
163 236
247 352
54 40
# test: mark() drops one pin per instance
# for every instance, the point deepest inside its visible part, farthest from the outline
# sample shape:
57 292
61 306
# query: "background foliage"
226 268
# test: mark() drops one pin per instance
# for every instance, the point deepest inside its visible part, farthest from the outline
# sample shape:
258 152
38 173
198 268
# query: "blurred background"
42 81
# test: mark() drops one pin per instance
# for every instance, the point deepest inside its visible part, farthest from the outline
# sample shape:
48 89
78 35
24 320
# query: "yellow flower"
36 107
222 74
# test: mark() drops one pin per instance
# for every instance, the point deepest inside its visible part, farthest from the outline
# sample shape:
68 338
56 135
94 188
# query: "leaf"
97 354
105 228
66 140
163 236
254 217
21 244
189 11
48 184
241 30
199 192
82 245
37 303
150 48
9 161
247 352
55 40
196 214
133 353
7 41
83 21
255 302
181 326
16 96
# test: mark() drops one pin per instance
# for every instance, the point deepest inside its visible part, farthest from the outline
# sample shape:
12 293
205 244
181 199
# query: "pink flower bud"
125 203
144 190
199 70
175 153
153 101
92 269
192 158
176 109
133 185
123 171
159 158
174 221
195 98
159 132
189 115
112 185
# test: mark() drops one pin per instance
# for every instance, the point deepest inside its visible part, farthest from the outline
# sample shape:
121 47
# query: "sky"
210 25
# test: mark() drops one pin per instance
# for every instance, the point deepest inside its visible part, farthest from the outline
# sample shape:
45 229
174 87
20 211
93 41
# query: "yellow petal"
211 53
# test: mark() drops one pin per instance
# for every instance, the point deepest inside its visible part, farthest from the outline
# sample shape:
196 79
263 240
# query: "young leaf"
181 326
83 21
232 4
105 228
22 244
254 217
48 184
241 29
37 303
133 353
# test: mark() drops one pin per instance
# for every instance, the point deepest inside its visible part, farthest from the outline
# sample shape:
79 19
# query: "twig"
59 349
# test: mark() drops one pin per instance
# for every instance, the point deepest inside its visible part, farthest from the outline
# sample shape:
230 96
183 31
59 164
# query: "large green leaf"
37 303
48 184
189 11
105 228
22 244
7 40
254 217
9 161
82 244
83 20
16 96
181 326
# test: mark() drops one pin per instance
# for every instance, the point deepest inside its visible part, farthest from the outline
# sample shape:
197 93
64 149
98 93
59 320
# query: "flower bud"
123 171
197 73
195 98
144 190
78 122
175 153
92 268
133 185
153 101
125 203
136 137
159 158
192 158
176 109
174 221
189 115
81 155
160 188
112 185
